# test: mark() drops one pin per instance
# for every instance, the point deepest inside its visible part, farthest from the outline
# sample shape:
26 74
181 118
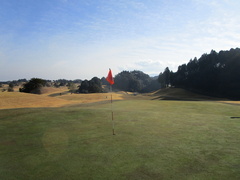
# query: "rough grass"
27 100
90 98
154 140
59 97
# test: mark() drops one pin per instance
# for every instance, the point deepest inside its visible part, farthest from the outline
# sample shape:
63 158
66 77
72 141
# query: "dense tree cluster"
92 86
64 82
33 86
135 81
104 81
10 87
165 78
216 74
17 82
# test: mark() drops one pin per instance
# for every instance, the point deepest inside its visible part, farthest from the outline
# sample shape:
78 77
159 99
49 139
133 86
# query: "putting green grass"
154 140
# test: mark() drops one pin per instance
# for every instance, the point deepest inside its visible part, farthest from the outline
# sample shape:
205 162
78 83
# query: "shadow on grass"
59 94
177 98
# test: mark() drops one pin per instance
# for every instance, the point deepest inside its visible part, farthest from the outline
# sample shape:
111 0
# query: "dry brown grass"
89 98
231 102
26 100
52 90
15 99
4 86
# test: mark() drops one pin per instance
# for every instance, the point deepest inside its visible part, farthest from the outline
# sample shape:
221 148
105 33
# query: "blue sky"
80 39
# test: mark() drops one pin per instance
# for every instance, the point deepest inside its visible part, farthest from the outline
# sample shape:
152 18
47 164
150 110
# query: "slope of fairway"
90 98
154 140
179 94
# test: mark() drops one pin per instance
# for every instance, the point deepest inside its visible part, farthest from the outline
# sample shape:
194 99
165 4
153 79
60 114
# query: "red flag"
110 78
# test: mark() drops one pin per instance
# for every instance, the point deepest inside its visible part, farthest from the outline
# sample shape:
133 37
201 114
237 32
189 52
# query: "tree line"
215 74
34 85
133 81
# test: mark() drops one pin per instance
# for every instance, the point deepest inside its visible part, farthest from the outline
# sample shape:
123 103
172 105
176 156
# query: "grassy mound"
179 94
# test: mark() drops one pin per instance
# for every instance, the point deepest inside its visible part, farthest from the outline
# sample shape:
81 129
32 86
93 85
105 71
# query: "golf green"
154 140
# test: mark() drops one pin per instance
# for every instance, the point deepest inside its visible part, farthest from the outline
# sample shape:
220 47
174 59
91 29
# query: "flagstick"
112 111
111 82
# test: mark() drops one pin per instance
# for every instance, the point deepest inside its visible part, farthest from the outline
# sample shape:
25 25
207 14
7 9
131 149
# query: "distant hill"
135 81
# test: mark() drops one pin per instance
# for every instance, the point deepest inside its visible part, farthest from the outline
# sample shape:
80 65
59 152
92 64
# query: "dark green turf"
154 140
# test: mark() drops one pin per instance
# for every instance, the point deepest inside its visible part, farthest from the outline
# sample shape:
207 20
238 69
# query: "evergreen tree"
92 86
213 74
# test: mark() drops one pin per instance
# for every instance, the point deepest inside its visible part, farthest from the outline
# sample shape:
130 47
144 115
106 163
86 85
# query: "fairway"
154 140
